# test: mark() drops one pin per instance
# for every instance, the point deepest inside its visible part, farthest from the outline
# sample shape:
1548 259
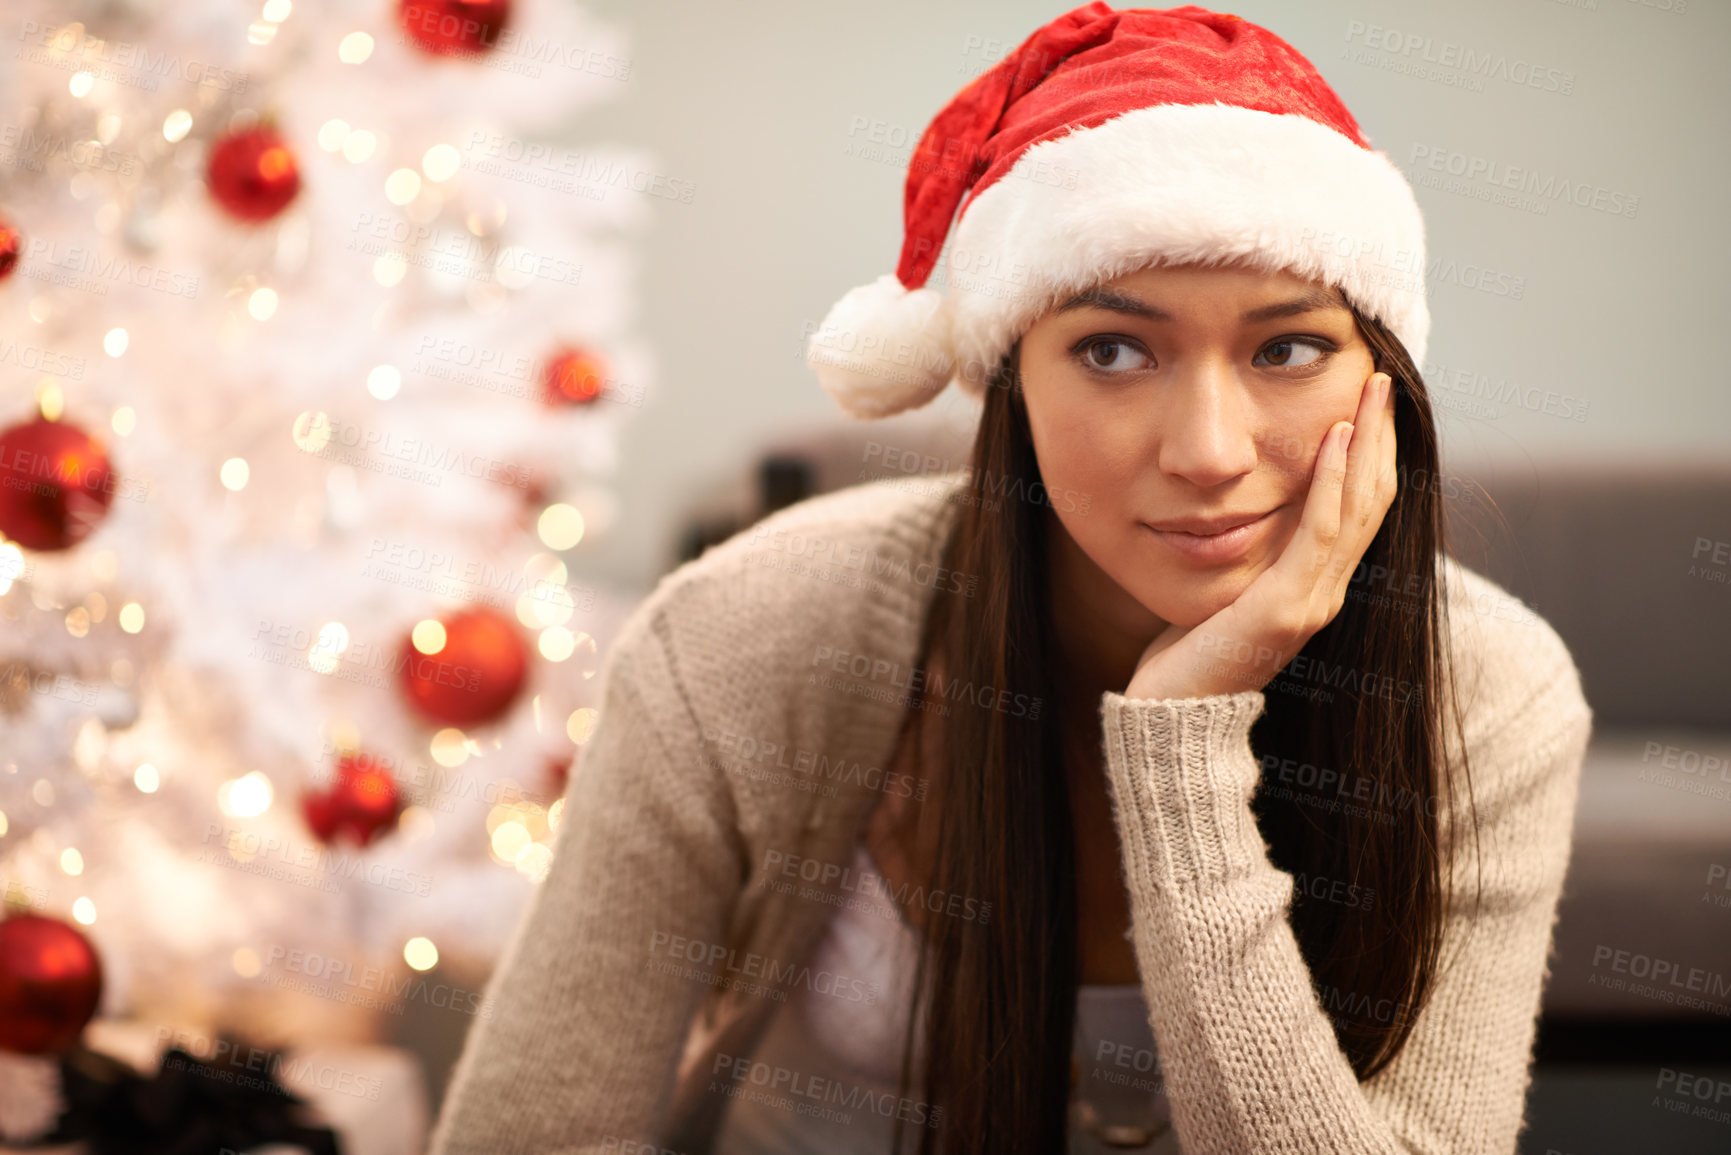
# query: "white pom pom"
883 349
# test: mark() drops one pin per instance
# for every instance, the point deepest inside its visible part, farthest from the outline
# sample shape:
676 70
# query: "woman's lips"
1215 547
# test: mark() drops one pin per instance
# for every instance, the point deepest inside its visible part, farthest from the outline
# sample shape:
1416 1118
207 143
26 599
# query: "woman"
1157 782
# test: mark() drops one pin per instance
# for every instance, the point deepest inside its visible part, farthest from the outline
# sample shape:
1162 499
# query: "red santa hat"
1107 141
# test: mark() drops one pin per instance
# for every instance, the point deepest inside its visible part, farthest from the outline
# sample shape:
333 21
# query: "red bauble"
454 27
11 244
558 774
361 802
50 984
55 484
475 676
253 174
574 377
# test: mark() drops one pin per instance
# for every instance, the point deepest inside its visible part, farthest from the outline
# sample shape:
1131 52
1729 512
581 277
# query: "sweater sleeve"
1248 1053
592 999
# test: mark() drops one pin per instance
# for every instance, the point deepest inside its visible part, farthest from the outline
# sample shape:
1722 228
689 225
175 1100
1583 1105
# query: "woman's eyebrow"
1312 301
1116 302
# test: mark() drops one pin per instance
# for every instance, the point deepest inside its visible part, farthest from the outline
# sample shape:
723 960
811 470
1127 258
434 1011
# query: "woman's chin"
1188 601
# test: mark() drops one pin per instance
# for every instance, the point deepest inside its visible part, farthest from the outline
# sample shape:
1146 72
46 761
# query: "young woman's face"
1176 401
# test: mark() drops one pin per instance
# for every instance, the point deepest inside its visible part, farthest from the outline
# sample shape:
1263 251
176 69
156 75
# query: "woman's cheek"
1287 453
1090 448
1060 448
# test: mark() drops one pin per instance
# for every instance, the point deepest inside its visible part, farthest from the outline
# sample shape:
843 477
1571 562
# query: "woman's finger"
1359 512
1389 477
1363 462
1306 555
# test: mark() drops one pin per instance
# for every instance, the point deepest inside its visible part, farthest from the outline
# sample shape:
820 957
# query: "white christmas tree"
331 424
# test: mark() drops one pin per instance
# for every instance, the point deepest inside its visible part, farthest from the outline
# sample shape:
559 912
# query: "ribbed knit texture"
676 827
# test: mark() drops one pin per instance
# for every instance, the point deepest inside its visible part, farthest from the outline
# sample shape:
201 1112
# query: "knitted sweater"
750 707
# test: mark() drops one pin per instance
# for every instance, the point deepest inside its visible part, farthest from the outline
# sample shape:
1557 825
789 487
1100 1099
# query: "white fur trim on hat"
1177 184
883 349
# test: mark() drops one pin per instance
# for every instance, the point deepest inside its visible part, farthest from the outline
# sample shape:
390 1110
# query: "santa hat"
1107 141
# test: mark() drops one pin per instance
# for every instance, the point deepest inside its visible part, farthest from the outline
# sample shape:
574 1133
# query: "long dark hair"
1000 1005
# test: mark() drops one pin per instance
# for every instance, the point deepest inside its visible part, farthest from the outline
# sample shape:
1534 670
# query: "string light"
355 48
420 953
441 163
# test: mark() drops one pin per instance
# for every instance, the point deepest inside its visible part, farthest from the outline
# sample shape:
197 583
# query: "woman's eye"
1291 355
1113 356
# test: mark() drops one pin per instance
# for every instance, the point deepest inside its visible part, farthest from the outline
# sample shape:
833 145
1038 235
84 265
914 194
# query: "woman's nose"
1205 429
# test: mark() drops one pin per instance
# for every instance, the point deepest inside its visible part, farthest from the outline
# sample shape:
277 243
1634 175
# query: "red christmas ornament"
474 676
574 377
361 802
454 27
558 774
11 244
50 984
55 484
253 174
535 495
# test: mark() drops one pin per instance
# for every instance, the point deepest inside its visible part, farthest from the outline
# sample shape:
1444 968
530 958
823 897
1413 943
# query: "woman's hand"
1245 644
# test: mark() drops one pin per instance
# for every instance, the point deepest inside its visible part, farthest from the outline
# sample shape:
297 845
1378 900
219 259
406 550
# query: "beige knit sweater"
750 707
